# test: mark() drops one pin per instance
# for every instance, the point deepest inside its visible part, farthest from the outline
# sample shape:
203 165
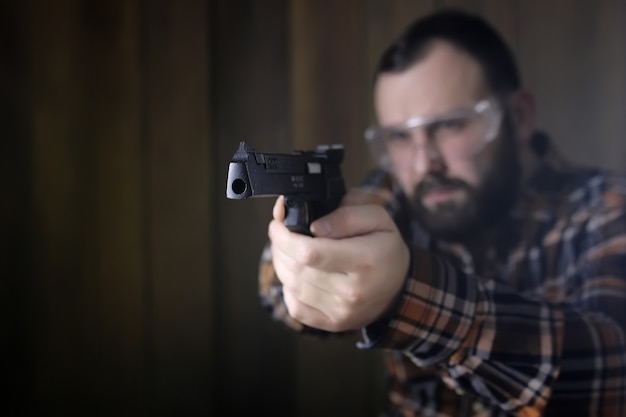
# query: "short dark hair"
467 32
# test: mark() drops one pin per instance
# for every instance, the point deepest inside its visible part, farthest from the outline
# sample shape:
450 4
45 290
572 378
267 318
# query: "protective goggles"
457 133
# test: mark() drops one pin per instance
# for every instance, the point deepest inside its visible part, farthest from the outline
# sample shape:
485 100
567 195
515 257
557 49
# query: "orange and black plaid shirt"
535 327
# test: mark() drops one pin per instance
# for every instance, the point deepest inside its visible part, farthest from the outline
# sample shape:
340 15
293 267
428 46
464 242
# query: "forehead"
446 78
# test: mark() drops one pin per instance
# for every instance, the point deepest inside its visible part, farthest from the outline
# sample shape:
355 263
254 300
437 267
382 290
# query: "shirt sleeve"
524 354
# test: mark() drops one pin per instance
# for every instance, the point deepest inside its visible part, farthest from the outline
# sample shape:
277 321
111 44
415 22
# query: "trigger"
297 216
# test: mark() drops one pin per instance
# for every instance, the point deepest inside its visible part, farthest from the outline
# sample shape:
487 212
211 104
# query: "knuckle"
355 197
382 213
334 327
353 296
341 319
367 264
309 255
295 310
290 289
347 216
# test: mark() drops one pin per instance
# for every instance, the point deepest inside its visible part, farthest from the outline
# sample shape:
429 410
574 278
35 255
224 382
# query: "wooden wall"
129 280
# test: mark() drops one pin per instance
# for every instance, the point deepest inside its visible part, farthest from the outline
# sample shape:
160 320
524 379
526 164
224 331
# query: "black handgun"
311 181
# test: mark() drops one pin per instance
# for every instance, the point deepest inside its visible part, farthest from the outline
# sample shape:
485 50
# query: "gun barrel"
238 184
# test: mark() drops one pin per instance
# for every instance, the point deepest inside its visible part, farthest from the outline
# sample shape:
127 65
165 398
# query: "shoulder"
579 205
576 188
597 206
598 189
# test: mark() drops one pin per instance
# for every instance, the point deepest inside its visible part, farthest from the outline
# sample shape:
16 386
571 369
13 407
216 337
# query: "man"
490 272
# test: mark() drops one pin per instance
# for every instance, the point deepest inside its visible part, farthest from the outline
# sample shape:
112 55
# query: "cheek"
468 170
465 168
408 181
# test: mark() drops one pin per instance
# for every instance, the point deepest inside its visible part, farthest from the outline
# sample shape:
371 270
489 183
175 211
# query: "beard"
484 204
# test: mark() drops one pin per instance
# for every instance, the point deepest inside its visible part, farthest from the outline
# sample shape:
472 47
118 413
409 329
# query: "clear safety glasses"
458 133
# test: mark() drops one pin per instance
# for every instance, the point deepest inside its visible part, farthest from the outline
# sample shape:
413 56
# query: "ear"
523 113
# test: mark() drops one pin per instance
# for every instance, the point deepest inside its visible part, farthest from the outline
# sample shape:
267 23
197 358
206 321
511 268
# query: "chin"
451 220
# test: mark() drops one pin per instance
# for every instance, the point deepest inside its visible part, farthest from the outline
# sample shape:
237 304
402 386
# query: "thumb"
351 221
278 212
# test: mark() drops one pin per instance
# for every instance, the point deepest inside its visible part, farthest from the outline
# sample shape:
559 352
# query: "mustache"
437 181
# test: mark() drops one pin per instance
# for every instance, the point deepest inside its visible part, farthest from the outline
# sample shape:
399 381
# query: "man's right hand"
349 273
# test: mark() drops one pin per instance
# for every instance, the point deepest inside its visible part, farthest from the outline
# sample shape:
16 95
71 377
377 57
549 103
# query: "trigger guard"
297 216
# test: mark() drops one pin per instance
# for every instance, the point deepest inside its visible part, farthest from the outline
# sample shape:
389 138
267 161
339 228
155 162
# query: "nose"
426 156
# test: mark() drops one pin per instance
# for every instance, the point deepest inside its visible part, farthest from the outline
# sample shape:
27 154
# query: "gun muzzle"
238 183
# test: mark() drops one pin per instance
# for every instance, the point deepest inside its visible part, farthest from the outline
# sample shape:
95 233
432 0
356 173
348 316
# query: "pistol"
311 181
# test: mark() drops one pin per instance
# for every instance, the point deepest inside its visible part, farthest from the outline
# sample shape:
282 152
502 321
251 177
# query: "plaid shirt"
532 324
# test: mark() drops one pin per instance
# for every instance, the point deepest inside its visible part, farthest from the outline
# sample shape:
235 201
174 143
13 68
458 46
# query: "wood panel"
329 104
86 334
328 59
578 70
16 207
255 359
179 218
121 200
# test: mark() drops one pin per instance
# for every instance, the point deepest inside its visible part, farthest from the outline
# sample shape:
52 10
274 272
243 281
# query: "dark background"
128 279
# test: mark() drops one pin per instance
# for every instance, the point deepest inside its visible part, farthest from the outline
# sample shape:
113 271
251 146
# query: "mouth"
440 195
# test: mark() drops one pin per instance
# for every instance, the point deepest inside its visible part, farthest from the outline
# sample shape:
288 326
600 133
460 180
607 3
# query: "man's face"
454 194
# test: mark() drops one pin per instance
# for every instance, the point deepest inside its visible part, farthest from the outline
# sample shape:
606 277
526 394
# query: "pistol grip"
297 218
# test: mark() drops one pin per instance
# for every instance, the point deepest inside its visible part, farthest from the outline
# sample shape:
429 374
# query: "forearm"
518 353
434 314
592 368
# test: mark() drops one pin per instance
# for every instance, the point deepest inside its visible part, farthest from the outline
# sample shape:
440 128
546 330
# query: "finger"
336 255
301 248
298 277
307 314
278 212
285 267
308 293
284 238
350 221
370 195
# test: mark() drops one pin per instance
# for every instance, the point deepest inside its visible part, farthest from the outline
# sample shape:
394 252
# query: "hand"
349 273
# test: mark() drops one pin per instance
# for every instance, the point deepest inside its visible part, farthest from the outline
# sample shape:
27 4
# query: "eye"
397 135
446 126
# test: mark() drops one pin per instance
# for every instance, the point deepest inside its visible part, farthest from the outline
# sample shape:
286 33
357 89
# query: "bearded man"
490 272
